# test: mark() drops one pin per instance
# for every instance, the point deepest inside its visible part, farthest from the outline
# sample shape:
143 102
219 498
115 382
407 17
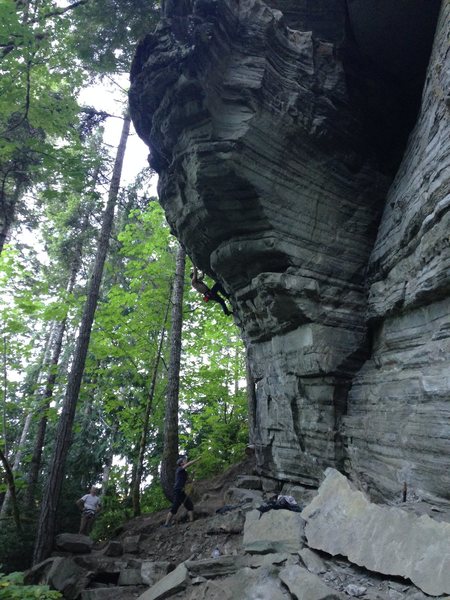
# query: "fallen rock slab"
273 531
68 578
304 585
114 548
109 593
74 542
232 522
152 572
312 561
167 586
212 567
390 541
251 584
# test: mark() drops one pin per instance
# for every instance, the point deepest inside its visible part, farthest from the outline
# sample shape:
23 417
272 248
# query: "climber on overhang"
209 293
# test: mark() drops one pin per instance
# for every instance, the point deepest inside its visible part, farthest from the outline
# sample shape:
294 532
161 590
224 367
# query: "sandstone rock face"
277 129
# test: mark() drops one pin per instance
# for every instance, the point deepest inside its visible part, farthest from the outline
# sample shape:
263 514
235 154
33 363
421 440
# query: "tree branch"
61 11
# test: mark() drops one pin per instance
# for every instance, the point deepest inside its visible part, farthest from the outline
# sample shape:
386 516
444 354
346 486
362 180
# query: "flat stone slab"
390 541
304 585
172 583
232 522
273 531
212 567
312 561
110 593
74 542
250 584
152 572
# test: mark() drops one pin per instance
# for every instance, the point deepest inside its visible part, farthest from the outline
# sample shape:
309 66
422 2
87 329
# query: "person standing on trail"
179 495
209 293
89 504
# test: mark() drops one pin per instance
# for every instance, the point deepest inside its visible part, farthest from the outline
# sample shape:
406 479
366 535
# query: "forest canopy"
88 270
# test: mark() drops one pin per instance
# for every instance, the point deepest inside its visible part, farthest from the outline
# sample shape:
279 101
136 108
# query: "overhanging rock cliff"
300 165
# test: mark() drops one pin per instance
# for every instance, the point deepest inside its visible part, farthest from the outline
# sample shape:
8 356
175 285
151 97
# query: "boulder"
250 584
250 482
342 521
170 584
153 571
69 578
236 495
212 567
113 548
231 522
131 544
312 561
111 593
273 531
38 574
304 585
74 543
130 577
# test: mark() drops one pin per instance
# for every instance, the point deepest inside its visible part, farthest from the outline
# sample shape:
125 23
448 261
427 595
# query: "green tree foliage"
39 81
111 29
12 587
54 170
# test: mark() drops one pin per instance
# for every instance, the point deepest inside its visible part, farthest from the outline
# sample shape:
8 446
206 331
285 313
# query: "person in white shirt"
89 504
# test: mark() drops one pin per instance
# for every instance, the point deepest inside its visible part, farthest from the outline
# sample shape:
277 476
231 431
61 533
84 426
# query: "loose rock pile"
323 553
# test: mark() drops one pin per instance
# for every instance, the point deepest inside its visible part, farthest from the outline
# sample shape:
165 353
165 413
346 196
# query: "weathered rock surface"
273 531
298 572
73 542
169 585
277 129
342 521
304 585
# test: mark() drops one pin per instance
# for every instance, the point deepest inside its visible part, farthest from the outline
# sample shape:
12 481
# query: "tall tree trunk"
52 492
15 466
12 490
145 426
170 449
35 464
31 383
109 460
5 392
7 211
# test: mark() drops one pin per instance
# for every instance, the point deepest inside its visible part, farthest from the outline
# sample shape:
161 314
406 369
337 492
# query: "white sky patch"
110 97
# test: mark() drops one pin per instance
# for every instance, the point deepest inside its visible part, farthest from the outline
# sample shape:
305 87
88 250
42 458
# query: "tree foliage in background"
54 170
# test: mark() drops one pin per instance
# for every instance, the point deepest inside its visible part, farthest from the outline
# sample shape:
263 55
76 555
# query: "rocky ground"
240 554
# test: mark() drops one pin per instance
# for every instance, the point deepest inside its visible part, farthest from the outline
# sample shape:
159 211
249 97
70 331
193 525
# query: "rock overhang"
275 148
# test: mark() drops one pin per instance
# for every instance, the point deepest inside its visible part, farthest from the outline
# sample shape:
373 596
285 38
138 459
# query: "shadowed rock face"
277 130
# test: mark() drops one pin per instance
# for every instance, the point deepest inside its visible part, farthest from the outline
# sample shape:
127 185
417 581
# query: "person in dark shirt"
209 293
179 495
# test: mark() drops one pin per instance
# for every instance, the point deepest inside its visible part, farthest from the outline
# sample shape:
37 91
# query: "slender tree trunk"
251 399
145 426
15 467
7 211
35 464
5 392
31 383
12 490
108 461
170 449
52 492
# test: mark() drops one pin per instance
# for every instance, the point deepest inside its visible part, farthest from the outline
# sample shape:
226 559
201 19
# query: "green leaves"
12 587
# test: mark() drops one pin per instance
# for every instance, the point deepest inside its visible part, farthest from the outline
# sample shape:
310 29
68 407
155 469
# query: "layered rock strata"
261 118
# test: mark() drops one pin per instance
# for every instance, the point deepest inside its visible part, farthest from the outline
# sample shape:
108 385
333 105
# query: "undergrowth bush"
15 550
13 588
